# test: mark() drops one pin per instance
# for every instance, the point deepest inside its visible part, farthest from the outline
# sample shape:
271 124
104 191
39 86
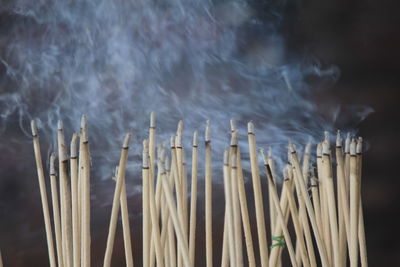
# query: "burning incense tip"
233 125
167 164
327 137
234 139
84 134
180 128
353 147
314 181
339 139
234 160
263 156
307 150
195 138
152 120
326 148
319 150
60 125
250 127
207 133
270 152
291 147
74 150
285 172
172 141
359 145
33 127
347 144
52 166
127 139
146 153
226 156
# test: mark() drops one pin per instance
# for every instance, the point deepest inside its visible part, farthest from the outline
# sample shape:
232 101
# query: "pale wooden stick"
208 195
316 202
237 221
85 195
330 193
225 241
275 199
152 141
65 195
183 246
343 203
325 227
272 212
229 210
146 230
245 213
304 226
193 200
182 174
76 233
116 201
43 194
354 205
277 250
361 230
125 223
56 211
255 173
171 234
307 201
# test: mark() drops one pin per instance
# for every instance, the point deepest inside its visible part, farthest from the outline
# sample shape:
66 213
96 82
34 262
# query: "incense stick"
208 200
193 199
255 173
116 201
43 194
56 211
76 238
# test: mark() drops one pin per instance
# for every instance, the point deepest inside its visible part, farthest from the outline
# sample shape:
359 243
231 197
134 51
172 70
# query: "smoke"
195 60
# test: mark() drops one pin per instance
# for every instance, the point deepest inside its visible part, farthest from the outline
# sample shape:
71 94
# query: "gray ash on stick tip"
208 132
60 125
226 157
179 132
339 140
250 127
152 120
195 143
234 138
292 148
319 150
34 128
161 166
285 172
307 150
167 164
233 125
74 149
52 164
145 154
172 141
359 145
353 148
127 139
314 181
84 130
347 144
326 148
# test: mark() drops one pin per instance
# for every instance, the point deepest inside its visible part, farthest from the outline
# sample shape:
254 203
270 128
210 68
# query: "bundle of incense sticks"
326 224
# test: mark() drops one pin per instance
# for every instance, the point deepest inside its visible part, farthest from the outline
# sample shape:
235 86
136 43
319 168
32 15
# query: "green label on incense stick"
280 241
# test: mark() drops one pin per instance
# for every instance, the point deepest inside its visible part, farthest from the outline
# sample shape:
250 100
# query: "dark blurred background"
361 37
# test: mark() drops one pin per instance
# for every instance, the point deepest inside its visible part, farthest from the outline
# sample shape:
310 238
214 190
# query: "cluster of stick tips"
326 229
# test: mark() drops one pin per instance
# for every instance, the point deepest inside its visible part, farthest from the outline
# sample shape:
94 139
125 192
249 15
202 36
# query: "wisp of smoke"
117 61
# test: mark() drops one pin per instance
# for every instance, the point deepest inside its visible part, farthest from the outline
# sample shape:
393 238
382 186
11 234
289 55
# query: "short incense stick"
255 173
43 194
116 201
56 210
208 194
